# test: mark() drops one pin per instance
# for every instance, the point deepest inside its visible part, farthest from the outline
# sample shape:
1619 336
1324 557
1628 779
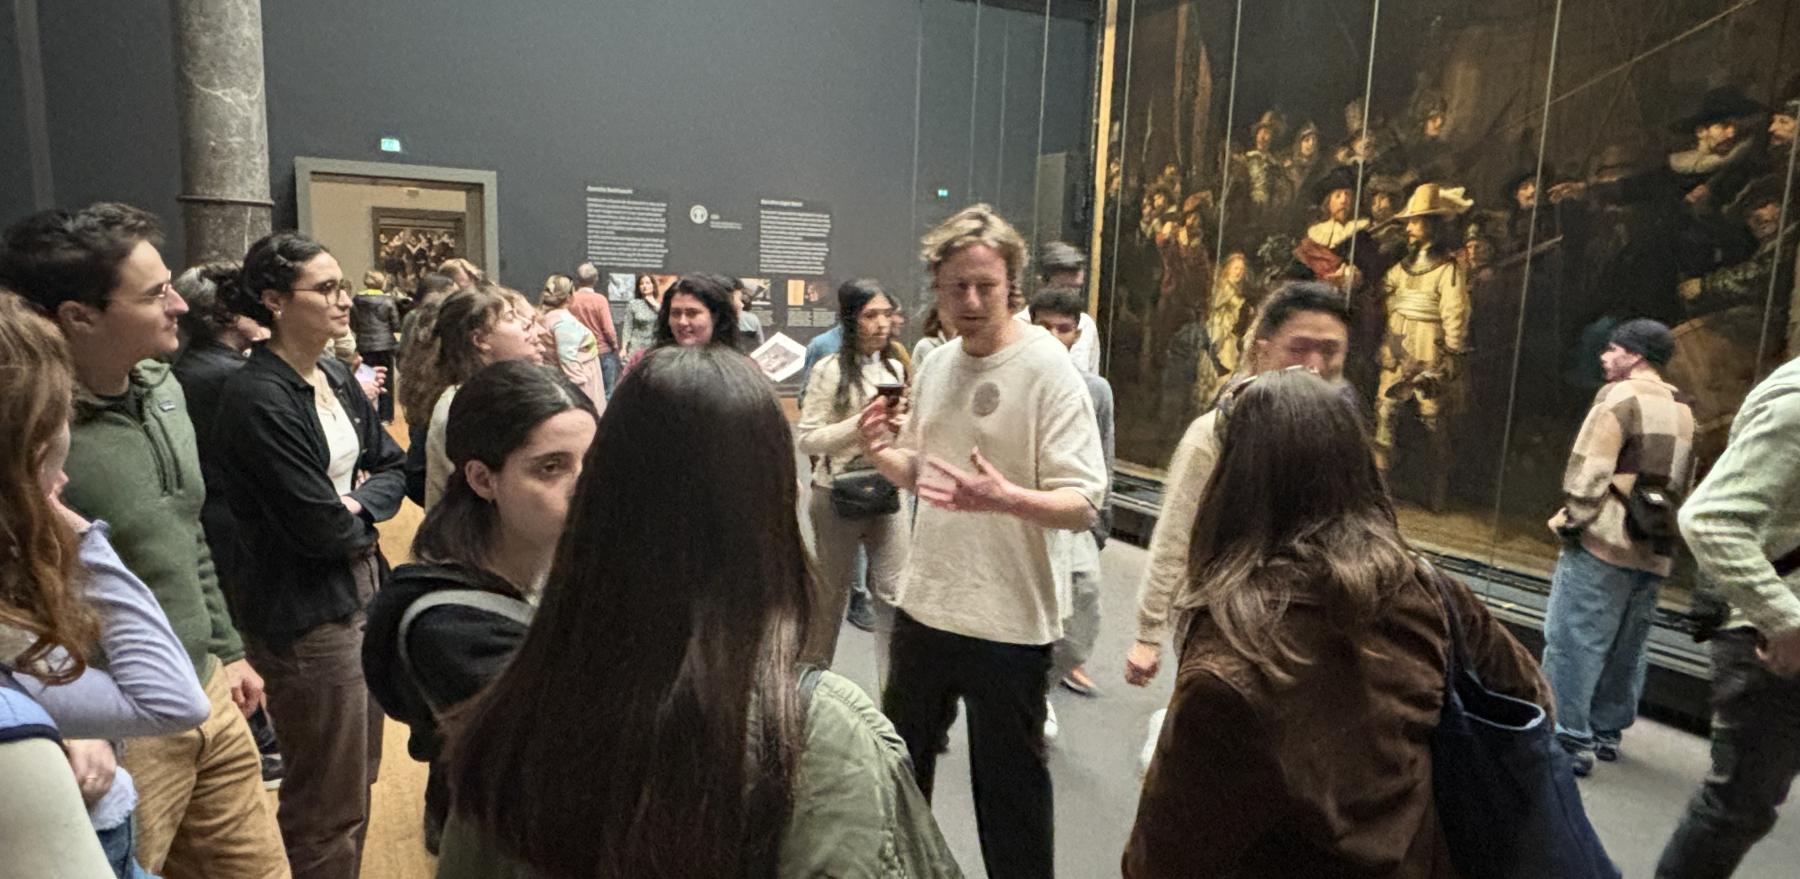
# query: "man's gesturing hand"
984 490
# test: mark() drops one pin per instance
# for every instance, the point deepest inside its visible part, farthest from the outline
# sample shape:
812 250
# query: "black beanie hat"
1646 337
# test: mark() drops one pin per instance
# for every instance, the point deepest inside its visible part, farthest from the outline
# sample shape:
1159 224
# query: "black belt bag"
864 494
1650 516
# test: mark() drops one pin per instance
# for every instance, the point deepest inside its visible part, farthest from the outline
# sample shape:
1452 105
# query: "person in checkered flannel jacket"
1638 435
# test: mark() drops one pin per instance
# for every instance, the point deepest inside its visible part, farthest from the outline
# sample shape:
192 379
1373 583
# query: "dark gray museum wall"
15 170
109 84
714 102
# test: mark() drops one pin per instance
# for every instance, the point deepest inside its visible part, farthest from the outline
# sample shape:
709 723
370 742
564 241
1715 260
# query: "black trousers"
1002 686
1755 757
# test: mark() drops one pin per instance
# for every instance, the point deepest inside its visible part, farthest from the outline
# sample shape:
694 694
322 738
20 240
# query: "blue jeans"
609 371
1595 630
119 844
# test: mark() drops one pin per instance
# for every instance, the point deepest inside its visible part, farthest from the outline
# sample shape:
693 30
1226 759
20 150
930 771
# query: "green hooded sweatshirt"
133 463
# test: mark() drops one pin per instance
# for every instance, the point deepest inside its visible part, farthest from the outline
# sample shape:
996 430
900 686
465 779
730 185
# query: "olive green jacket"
134 462
857 812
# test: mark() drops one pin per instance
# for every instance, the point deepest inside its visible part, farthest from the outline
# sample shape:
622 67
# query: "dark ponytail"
208 289
273 263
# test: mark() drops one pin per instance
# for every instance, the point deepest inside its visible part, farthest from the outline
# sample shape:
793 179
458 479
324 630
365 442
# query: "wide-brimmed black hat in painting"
1723 104
1341 177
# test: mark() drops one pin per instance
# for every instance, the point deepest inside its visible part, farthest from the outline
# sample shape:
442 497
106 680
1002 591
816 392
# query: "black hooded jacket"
455 650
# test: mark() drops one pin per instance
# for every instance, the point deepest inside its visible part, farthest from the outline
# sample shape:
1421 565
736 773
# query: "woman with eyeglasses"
308 471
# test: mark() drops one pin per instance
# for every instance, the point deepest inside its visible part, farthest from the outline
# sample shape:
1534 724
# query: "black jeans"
1755 756
1002 685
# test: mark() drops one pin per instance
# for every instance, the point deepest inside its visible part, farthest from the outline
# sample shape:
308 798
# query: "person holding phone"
1003 450
838 389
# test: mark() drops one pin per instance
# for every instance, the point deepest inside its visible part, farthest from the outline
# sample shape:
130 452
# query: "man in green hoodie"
133 462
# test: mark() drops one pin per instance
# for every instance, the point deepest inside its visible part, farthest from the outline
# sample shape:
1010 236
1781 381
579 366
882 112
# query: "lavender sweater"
142 683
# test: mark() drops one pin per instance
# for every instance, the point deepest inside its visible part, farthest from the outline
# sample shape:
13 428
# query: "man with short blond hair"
1002 448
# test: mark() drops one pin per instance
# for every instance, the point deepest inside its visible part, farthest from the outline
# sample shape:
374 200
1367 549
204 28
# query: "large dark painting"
1491 184
410 243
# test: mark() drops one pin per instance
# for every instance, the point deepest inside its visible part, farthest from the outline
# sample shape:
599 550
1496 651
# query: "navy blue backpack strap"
1506 798
20 715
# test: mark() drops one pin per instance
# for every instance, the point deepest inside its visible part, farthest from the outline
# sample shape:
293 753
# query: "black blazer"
298 537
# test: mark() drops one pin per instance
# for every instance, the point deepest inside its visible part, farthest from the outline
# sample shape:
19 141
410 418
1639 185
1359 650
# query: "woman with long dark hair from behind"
716 756
308 472
450 621
836 392
1307 619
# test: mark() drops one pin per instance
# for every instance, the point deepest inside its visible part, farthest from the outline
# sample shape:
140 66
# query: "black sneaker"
1581 761
273 770
860 614
1607 752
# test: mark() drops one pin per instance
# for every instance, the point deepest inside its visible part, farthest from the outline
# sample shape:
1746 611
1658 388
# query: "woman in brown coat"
1314 648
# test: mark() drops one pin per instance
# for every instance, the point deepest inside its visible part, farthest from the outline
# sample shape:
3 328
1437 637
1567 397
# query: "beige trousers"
202 811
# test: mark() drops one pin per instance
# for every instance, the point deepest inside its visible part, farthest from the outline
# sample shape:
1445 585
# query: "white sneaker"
1152 732
1050 726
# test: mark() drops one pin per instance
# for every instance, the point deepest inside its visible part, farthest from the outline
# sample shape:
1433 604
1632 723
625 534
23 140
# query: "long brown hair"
693 566
1295 512
38 592
447 343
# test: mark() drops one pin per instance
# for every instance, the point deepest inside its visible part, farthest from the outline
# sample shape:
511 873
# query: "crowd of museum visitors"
612 637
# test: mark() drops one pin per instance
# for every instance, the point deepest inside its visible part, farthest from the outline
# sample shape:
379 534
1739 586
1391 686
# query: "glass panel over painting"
1004 117
1491 185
